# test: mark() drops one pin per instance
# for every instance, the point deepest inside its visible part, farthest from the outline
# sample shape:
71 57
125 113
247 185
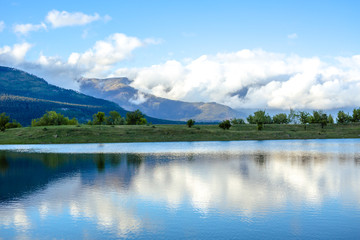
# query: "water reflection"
129 194
4 165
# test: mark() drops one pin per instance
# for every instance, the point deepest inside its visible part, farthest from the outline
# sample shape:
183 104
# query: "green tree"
281 118
343 117
316 117
261 118
323 120
3 121
235 121
225 124
190 123
135 118
13 124
99 118
52 118
356 115
319 117
304 118
114 118
330 119
251 119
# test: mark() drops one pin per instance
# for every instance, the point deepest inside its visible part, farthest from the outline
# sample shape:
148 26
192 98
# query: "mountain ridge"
25 96
121 92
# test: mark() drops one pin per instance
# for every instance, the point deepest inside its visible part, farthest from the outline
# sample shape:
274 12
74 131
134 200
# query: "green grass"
170 133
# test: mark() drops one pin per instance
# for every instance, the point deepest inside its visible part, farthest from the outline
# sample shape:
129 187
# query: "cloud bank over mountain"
243 79
254 79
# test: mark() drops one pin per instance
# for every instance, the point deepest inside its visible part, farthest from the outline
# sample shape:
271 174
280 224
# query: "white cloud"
105 53
24 29
98 61
139 98
2 26
243 79
62 19
254 79
14 54
292 36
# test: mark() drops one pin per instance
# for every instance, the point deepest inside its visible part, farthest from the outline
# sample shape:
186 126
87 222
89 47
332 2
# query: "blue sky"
174 36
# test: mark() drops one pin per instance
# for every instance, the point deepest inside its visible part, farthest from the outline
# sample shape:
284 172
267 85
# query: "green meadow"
173 133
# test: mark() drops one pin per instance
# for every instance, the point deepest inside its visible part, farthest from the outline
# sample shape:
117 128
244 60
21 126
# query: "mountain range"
120 91
24 97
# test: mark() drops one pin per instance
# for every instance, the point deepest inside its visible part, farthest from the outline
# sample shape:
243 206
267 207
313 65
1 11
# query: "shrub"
190 123
3 121
99 118
13 124
114 118
237 121
135 118
52 118
225 124
281 118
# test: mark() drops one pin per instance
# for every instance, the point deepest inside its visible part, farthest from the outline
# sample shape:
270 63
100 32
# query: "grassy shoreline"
172 133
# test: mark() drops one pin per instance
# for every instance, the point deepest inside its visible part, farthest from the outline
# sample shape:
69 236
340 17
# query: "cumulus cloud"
14 54
2 26
105 53
62 19
254 79
244 79
24 29
97 61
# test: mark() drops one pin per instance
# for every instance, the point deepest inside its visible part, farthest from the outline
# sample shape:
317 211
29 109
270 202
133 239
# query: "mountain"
24 97
119 90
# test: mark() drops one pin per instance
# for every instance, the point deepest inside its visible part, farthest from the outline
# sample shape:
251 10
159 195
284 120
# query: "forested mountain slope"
24 97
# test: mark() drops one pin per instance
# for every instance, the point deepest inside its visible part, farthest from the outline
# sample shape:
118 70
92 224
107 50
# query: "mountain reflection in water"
122 195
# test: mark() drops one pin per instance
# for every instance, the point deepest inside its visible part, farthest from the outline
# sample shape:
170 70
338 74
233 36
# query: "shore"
172 133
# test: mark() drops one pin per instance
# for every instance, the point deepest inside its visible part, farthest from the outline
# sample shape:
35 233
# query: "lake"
186 190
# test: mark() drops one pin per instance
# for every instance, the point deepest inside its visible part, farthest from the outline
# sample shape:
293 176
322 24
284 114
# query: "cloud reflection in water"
246 185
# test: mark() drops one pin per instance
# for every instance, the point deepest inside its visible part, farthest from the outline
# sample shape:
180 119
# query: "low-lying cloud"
254 79
97 61
243 79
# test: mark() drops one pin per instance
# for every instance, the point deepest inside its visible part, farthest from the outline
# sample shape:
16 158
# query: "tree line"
52 118
260 118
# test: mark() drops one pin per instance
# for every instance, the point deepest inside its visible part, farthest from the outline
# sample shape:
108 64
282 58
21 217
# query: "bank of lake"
173 133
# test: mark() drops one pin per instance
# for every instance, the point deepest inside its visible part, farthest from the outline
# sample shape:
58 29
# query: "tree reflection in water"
4 164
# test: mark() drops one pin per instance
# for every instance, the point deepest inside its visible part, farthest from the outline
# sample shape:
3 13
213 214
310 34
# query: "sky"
244 54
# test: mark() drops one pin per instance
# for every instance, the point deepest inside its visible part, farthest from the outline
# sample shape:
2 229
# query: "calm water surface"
200 190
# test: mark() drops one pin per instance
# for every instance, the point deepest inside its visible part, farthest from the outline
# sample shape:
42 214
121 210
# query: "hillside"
24 97
119 90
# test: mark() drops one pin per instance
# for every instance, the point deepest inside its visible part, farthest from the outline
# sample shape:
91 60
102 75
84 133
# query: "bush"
13 124
237 121
225 124
52 118
343 117
281 118
190 123
135 118
114 118
3 121
98 118
259 117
